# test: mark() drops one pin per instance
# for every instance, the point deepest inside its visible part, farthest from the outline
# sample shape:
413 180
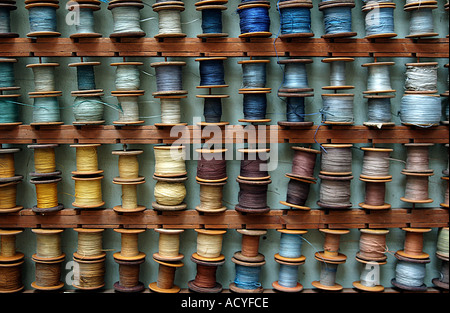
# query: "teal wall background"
318 76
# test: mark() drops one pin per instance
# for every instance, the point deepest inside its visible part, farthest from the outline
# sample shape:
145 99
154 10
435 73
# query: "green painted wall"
192 106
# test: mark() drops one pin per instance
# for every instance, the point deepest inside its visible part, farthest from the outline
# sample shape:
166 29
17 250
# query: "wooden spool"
295 206
358 285
242 209
331 246
8 239
244 6
86 4
394 282
92 178
85 274
250 244
168 256
169 5
211 5
13 207
417 6
445 204
337 3
46 180
164 207
169 92
210 210
165 277
295 4
367 206
367 232
276 285
203 251
334 206
43 33
237 289
206 124
53 265
414 236
8 154
193 285
83 256
81 171
131 34
404 199
376 6
37 148
11 6
378 64
338 59
378 125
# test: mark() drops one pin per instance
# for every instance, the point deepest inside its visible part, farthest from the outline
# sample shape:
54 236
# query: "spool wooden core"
372 245
250 245
331 245
166 276
413 244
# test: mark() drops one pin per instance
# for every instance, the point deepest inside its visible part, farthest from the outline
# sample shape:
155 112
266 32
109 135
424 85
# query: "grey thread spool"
337 108
337 73
85 27
421 20
127 75
337 160
416 189
126 17
376 163
335 192
169 77
417 157
379 110
378 80
421 77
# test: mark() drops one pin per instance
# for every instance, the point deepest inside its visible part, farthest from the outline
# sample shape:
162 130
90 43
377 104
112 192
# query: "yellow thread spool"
168 245
48 243
8 251
88 192
86 159
168 193
170 161
8 197
44 159
7 168
129 244
128 164
89 243
46 194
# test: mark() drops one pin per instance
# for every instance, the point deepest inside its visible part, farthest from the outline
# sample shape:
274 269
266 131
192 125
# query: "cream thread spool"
169 193
88 191
89 244
170 161
48 243
128 108
127 77
209 245
250 245
211 195
376 161
169 13
168 245
44 160
86 159
170 110
44 78
413 244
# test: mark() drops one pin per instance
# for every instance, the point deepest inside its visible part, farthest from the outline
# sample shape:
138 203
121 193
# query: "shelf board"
231 47
230 219
150 134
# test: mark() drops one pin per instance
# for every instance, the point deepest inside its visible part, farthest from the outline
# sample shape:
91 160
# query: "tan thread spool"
88 191
86 159
89 243
250 245
89 274
417 157
209 243
211 196
413 244
331 245
128 166
168 193
129 242
8 244
372 244
168 245
170 161
48 243
48 275
44 160
11 277
8 196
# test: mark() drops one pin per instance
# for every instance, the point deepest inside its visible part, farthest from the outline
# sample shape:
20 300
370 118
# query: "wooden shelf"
231 47
230 219
150 134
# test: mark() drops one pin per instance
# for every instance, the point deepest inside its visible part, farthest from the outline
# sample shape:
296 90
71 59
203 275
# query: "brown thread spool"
335 192
48 273
212 165
376 163
372 245
303 163
417 158
205 279
297 193
413 244
211 196
250 245
209 245
168 245
445 204
89 274
10 262
331 246
416 189
254 164
252 196
337 160
375 193
166 276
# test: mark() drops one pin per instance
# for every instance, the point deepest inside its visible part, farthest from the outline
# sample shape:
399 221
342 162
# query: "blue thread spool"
295 109
291 245
5 20
295 19
46 109
421 20
86 76
295 78
255 106
85 26
378 80
7 79
337 19
379 20
254 20
212 73
88 109
337 73
169 15
212 110
410 273
168 77
42 18
247 276
211 18
379 110
126 16
254 73
420 110
369 278
337 109
9 110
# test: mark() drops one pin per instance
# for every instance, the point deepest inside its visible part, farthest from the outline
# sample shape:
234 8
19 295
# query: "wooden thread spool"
169 194
445 204
166 277
331 246
335 192
205 279
7 164
337 160
89 274
89 244
251 283
250 245
86 159
129 197
8 197
327 276
88 191
170 161
212 165
303 163
86 28
44 160
169 19
368 280
168 245
297 193
211 195
128 165
129 259
252 196
209 245
204 6
254 164
126 25
48 243
10 262
413 244
8 251
375 194
372 245
410 273
416 189
443 280
128 108
417 158
48 274
46 194
376 163
442 253
337 73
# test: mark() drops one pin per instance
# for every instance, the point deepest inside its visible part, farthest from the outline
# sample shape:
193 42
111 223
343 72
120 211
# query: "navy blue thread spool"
379 20
86 76
421 20
211 18
85 27
42 18
5 19
254 19
212 73
295 19
169 15
212 110
337 18
337 73
126 19
379 110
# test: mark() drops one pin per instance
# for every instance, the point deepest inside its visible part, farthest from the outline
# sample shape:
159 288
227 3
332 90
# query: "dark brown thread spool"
372 245
11 277
212 165
166 277
250 245
297 192
252 196
413 245
48 274
417 158
253 164
303 162
205 279
375 193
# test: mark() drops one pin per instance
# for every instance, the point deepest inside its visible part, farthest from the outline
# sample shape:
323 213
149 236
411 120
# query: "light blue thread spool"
9 109
337 108
290 245
337 72
85 20
254 73
379 110
379 20
295 75
127 75
88 109
247 277
420 110
5 20
42 18
421 21
378 79
7 73
409 275
126 17
288 276
328 276
46 110
337 19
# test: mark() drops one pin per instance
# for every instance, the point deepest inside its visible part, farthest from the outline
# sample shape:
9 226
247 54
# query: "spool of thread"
291 245
85 28
378 80
89 274
254 106
170 193
445 204
89 244
421 20
170 110
129 197
337 18
254 20
205 279
420 109
209 244
250 245
166 277
42 18
410 275
86 159
168 245
128 164
247 277
5 20
88 109
127 76
7 79
88 191
295 75
295 109
331 245
127 17
211 18
128 109
9 110
421 77
169 17
44 77
372 244
297 193
86 76
212 110
337 108
212 165
252 196
328 277
48 243
46 110
379 20
295 19
8 197
417 158
376 163
379 110
303 163
211 197
8 246
170 161
336 160
337 72
375 193
442 248
254 73
413 244
442 253
369 278
46 194
416 189
254 164
168 77
7 165
212 74
10 262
